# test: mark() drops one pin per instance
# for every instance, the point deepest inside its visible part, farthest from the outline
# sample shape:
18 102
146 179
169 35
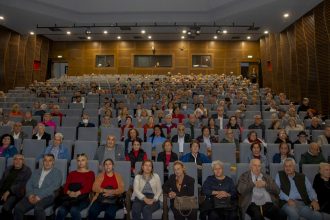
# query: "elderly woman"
147 191
180 184
321 185
41 133
221 195
282 136
7 148
253 137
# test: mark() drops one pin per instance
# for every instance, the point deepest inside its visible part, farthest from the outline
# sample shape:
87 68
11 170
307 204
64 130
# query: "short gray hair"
289 159
60 135
217 162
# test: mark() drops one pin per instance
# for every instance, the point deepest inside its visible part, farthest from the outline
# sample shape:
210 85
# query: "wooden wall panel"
17 54
226 56
300 58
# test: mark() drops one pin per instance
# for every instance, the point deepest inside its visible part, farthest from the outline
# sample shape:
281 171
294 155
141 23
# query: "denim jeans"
301 210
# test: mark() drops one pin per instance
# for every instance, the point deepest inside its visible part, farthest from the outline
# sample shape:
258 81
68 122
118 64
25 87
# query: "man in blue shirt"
297 196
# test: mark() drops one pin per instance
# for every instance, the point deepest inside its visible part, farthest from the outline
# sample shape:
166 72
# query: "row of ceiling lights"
184 32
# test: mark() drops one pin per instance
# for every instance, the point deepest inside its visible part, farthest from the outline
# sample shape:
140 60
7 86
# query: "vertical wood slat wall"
17 54
300 58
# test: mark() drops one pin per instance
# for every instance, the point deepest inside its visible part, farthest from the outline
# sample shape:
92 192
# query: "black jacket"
187 138
45 136
162 158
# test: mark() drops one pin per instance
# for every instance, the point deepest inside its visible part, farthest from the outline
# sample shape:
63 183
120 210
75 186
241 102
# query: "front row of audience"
290 196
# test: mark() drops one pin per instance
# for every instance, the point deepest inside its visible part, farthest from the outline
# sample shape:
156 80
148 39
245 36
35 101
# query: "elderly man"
110 150
28 120
12 185
258 193
324 138
312 156
40 190
57 149
181 137
297 196
321 186
221 116
258 124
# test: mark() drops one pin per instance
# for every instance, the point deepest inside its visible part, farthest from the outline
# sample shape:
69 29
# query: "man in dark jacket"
12 185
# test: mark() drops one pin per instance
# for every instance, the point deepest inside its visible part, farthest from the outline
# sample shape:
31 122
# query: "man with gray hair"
297 196
57 149
258 193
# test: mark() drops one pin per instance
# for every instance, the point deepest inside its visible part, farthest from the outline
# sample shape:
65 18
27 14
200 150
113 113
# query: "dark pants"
184 214
97 207
39 208
222 214
74 211
140 207
269 210
7 207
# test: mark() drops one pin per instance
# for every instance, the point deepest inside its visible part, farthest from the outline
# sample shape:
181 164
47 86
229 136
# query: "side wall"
297 60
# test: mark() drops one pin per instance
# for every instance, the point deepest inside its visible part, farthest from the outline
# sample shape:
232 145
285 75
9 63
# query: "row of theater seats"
123 167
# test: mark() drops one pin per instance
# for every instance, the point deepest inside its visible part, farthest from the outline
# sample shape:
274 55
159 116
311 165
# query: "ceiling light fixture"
184 31
59 56
31 33
88 32
225 31
143 31
215 37
149 37
118 37
2 18
105 32
286 15
250 56
266 32
198 32
248 37
218 31
68 32
182 37
89 37
189 32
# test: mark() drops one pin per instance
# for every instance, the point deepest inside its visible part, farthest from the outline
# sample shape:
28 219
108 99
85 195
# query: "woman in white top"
147 192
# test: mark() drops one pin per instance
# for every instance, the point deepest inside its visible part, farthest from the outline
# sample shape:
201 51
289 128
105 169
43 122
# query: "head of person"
85 118
47 117
108 113
7 140
43 107
179 168
206 131
82 161
289 166
315 122
194 147
168 119
28 115
256 149
108 165
106 120
48 161
314 149
252 136
230 134
292 122
211 122
192 118
111 141
232 121
17 128
325 170
136 144
132 133
257 119
282 134
255 166
220 111
15 108
217 168
151 120
181 130
305 101
284 148
158 131
58 139
18 161
327 131
147 167
56 109
128 120
302 136
41 128
167 146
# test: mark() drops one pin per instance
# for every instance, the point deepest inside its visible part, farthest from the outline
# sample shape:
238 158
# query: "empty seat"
299 149
88 134
33 147
226 152
310 170
87 147
69 133
28 130
326 151
271 135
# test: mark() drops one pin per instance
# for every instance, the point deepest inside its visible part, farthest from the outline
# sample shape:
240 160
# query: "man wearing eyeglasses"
181 137
12 185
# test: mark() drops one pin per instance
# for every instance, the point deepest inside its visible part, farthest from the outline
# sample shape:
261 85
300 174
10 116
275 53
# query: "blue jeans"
140 207
97 207
74 211
301 210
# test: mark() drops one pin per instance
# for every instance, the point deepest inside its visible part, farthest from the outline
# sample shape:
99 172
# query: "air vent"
82 38
236 38
125 28
54 29
137 37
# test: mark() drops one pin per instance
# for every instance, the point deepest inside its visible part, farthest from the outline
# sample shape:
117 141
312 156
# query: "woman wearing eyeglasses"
147 191
77 187
107 187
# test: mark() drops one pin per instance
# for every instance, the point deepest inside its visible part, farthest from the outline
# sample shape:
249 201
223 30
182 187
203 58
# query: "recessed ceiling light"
118 37
248 37
143 31
198 31
68 32
215 37
266 32
189 32
184 31
105 32
182 37
2 18
250 56
59 56
149 37
286 15
89 37
31 33
225 31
